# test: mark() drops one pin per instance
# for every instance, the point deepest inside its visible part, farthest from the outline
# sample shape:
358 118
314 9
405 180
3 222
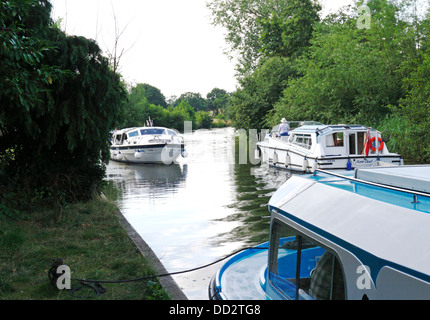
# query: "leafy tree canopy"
59 100
152 94
194 99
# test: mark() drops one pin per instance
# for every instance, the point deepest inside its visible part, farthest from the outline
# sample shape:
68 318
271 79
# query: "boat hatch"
301 269
414 178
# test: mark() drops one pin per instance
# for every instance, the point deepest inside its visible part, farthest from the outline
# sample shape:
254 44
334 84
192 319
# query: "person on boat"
284 128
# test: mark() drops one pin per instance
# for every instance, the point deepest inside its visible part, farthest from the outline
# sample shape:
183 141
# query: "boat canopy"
373 221
323 129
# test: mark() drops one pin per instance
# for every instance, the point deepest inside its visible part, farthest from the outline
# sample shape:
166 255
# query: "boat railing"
381 185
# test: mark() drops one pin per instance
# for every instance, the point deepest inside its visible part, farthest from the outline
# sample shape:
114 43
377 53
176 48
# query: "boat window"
301 269
302 140
151 131
171 132
133 134
117 139
335 140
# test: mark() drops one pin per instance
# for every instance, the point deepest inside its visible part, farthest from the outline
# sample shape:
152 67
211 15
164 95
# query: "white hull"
291 158
163 154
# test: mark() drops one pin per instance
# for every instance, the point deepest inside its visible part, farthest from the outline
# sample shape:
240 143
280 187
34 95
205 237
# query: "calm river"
199 209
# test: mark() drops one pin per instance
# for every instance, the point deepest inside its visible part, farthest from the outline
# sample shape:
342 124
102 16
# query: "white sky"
170 43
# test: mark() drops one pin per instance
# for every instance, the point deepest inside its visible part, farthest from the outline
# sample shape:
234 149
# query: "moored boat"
147 145
318 146
349 235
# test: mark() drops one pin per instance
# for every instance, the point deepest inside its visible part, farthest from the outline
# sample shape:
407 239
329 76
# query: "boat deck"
242 279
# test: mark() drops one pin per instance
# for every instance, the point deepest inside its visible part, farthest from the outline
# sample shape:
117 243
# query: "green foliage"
250 105
346 78
152 94
259 28
402 135
287 33
59 100
203 119
217 100
195 100
188 107
415 106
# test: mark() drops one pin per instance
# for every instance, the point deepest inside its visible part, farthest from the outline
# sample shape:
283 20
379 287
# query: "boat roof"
324 129
387 221
126 130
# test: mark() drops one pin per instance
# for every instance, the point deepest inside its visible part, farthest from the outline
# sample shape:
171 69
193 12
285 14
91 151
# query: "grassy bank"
89 238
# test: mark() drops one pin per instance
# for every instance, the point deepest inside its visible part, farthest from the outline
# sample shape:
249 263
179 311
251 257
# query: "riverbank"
94 245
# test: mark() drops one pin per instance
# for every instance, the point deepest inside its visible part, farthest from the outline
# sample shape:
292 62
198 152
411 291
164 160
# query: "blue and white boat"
147 145
314 146
357 235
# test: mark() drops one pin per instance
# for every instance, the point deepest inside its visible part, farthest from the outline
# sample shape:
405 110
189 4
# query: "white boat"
147 145
318 146
357 235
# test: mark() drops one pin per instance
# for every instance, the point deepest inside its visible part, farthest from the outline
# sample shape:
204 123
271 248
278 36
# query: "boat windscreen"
171 132
151 131
133 134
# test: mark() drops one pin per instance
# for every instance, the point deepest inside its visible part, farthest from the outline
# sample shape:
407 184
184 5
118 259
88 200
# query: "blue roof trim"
373 262
413 200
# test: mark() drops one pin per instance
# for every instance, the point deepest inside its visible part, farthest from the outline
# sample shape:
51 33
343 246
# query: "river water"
201 208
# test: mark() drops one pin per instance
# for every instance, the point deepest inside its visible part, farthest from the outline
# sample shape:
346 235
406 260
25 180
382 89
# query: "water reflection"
200 209
254 187
150 180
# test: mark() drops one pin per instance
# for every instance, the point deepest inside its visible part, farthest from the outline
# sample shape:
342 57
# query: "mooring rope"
98 288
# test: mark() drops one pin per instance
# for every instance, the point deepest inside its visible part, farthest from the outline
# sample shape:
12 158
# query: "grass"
93 244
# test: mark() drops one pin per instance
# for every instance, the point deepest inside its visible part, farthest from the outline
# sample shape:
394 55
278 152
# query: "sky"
169 44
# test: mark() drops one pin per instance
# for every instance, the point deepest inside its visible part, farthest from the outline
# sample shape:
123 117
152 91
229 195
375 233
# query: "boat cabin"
334 140
122 136
366 238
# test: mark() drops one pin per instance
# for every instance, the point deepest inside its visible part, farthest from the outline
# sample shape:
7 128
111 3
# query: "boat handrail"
409 191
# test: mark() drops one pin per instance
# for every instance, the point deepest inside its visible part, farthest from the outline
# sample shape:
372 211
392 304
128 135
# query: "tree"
415 106
349 74
55 127
203 119
195 100
251 105
287 33
255 24
268 36
217 100
152 94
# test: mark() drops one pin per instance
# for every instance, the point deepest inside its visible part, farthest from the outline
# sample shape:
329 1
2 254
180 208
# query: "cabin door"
356 143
